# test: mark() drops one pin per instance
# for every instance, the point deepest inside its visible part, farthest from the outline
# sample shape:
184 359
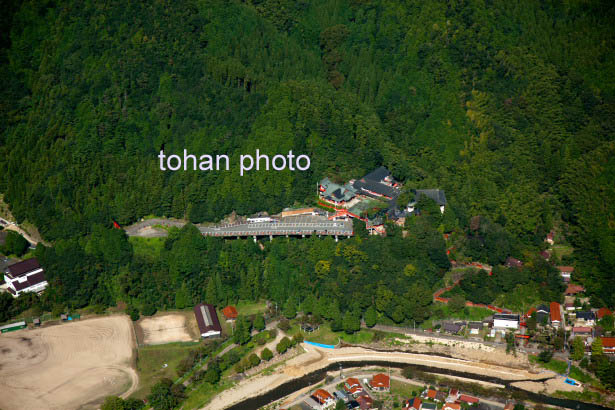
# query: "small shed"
308 328
36 321
64 317
230 313
12 327
475 327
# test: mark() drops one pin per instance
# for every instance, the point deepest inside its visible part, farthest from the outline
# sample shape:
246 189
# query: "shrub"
283 345
266 354
148 309
259 323
298 338
284 325
545 356
254 360
133 312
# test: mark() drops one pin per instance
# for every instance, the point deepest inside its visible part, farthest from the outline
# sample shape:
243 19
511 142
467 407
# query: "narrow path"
26 235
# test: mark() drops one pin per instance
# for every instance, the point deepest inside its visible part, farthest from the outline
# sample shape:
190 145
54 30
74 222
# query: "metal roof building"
207 319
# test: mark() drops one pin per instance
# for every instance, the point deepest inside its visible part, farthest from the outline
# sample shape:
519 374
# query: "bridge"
302 226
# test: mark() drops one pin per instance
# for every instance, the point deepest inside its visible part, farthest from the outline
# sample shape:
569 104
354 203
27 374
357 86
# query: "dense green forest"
508 106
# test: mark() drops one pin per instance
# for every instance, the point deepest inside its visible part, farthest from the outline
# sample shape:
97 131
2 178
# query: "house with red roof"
380 382
555 314
582 331
365 401
430 394
464 398
323 398
352 386
550 239
602 312
230 313
451 406
413 404
453 395
608 345
566 272
573 290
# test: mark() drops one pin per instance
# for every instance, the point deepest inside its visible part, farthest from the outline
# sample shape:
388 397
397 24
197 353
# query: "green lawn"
151 361
560 366
405 390
325 335
250 308
562 250
521 298
584 395
147 247
203 393
443 311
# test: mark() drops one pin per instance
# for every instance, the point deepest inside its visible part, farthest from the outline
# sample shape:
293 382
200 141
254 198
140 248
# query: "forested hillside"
508 106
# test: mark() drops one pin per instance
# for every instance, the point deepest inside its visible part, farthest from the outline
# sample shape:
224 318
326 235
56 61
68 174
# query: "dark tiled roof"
451 327
475 325
22 268
382 189
31 281
436 194
209 321
378 174
586 315
543 308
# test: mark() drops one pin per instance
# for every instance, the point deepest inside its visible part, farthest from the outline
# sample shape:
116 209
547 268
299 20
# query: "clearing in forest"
167 328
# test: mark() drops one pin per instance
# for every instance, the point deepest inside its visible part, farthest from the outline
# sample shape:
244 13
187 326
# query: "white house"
26 276
505 321
324 399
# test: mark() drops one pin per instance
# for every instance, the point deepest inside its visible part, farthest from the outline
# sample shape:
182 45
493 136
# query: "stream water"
309 379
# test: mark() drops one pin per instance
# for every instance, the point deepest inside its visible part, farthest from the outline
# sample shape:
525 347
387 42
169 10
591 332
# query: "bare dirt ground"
468 350
69 366
167 328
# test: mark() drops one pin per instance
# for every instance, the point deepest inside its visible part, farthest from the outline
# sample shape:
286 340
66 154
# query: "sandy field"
166 328
67 366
